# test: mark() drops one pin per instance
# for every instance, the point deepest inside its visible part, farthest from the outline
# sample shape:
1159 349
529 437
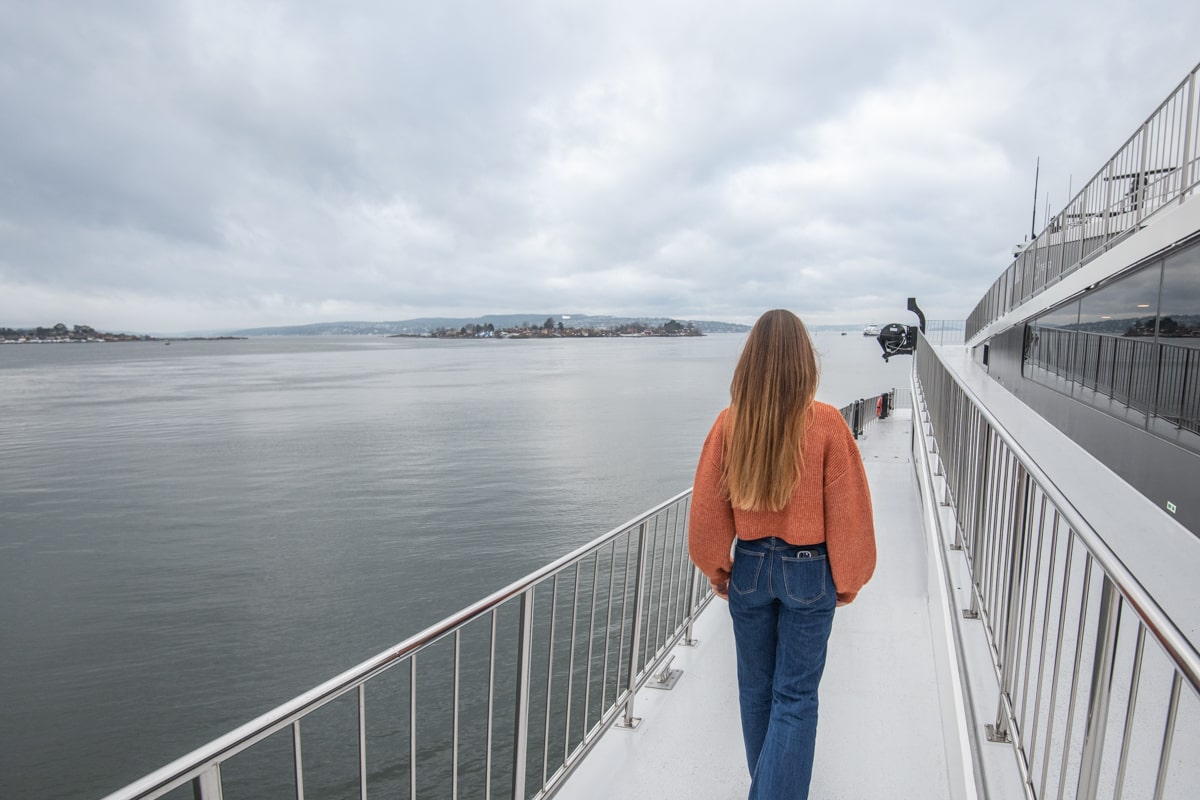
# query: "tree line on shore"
61 333
552 329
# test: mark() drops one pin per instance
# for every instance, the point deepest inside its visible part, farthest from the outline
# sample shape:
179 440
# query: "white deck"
881 732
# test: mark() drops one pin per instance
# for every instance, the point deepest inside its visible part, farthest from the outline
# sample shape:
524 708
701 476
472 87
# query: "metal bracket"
689 643
632 726
665 679
993 736
970 613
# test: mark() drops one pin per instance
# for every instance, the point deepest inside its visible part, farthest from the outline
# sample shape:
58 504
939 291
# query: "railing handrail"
1177 645
189 766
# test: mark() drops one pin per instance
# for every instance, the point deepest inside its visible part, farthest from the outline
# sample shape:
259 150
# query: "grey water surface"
192 534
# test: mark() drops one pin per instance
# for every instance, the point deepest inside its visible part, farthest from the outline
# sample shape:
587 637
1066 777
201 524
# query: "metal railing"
946 331
1157 378
862 414
1159 165
500 700
1095 682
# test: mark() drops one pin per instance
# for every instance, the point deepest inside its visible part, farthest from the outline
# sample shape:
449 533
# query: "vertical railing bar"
1079 633
1037 582
207 785
670 531
587 685
637 625
646 589
1055 673
612 582
1028 600
1037 700
298 760
995 509
995 536
412 727
521 705
660 608
1130 709
1185 167
456 714
664 590
1164 759
683 570
571 665
550 676
978 522
673 576
362 741
653 609
491 706
1108 627
1006 577
624 609
1007 645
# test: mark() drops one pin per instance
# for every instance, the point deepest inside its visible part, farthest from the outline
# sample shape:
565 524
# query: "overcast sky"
176 166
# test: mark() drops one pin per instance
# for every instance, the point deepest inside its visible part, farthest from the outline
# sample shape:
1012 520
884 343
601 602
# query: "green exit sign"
1170 507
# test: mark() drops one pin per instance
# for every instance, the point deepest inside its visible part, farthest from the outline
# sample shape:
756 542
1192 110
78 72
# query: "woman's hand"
720 585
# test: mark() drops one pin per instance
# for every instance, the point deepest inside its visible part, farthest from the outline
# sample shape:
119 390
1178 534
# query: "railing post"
1108 201
521 724
1101 691
207 785
1016 590
688 640
1185 179
628 720
973 543
1141 179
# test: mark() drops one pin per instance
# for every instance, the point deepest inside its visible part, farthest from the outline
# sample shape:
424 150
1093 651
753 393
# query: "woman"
780 474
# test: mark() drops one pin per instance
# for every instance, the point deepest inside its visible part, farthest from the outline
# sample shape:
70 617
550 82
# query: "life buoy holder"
879 406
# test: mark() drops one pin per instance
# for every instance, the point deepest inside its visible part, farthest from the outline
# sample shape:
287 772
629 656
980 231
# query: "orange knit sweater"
831 504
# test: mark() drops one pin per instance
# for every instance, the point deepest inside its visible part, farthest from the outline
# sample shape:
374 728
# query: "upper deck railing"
502 699
1098 689
1157 166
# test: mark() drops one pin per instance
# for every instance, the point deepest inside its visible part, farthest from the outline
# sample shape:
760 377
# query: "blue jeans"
782 601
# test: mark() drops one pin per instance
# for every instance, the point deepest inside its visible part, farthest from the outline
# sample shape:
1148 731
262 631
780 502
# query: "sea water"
192 534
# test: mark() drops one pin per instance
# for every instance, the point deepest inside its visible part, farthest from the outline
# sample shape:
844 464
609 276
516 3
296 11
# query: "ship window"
1130 348
1179 342
1115 352
1049 348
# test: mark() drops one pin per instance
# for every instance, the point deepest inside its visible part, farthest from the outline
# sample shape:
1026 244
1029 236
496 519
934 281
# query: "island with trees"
76 334
551 329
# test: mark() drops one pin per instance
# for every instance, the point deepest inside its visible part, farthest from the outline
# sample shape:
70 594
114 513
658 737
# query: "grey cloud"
393 159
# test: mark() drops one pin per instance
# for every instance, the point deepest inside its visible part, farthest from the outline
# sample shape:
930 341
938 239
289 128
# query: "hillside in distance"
424 325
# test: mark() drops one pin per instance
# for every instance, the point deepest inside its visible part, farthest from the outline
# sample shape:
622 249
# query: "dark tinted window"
1178 399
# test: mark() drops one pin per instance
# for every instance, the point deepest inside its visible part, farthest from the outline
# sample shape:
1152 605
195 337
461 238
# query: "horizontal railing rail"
1157 167
1095 681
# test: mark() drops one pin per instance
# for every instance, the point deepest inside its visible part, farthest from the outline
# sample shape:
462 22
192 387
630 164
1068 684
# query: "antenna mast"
1033 223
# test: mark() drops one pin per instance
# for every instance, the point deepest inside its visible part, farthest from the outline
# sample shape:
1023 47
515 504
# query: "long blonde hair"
773 388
